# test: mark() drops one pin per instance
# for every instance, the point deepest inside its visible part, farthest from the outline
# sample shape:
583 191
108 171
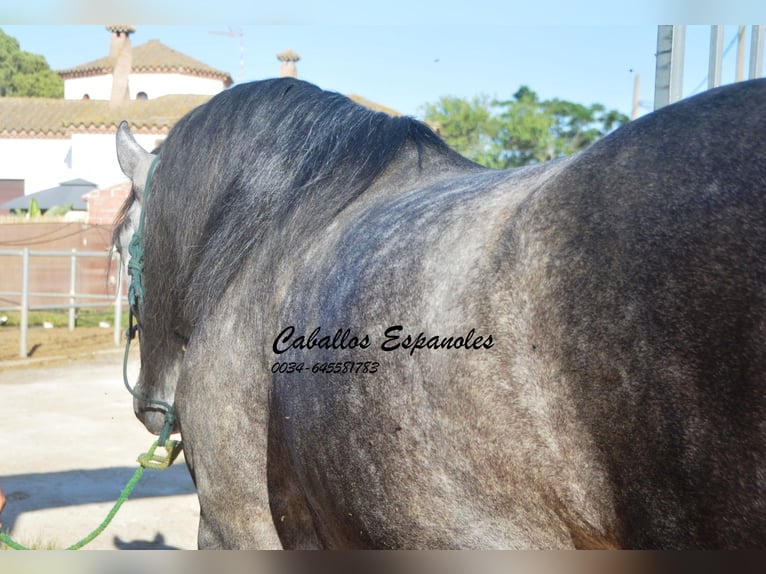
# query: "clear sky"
406 54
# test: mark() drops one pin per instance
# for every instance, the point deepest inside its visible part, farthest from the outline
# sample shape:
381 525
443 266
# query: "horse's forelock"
122 219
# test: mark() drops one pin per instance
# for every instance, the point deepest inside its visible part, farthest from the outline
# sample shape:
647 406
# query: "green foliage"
469 127
35 212
58 210
23 74
521 131
34 209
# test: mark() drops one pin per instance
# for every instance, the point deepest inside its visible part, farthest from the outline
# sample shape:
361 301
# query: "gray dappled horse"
373 342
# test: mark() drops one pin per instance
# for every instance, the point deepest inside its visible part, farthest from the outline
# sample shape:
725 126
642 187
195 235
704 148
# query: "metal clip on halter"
156 461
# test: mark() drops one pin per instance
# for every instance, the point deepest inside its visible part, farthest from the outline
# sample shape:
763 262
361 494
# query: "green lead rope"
148 460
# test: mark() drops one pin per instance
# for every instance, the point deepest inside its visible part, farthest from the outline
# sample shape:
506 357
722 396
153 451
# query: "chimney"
120 52
288 59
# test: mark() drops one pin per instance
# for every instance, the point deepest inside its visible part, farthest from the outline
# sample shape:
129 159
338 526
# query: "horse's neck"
415 167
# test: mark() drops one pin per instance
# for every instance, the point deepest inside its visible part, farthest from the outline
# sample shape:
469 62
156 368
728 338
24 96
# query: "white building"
153 70
44 141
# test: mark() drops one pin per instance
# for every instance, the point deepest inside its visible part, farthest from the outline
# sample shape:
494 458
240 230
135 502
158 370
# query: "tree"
26 75
468 126
521 131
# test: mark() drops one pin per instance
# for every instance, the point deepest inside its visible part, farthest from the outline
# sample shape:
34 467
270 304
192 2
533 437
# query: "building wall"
10 189
94 157
41 163
45 163
153 85
157 85
104 204
97 88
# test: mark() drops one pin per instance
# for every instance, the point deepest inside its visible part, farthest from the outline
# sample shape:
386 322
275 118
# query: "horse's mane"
251 157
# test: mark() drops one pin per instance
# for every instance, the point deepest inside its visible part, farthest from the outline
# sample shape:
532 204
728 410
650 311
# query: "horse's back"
622 399
656 267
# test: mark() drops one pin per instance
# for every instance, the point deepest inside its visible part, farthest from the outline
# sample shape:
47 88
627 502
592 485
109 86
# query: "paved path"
68 446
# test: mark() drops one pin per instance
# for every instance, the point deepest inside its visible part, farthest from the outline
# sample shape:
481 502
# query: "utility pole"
716 57
636 96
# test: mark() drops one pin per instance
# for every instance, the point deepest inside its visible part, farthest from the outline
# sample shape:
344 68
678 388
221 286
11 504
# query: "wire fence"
25 300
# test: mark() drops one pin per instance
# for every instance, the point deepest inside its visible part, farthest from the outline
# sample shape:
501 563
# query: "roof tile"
151 57
54 118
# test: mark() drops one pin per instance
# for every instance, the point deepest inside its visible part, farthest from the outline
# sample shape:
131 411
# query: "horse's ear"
130 154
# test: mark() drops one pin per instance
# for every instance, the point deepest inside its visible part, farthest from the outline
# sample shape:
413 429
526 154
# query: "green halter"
135 300
136 249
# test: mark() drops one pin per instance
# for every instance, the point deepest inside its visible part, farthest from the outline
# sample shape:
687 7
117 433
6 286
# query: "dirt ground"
53 346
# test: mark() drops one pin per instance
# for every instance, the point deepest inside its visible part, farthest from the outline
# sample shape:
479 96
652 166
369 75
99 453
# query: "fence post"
72 287
118 312
24 302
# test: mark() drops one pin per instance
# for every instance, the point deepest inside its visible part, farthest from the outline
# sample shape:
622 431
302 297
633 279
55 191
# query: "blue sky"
406 54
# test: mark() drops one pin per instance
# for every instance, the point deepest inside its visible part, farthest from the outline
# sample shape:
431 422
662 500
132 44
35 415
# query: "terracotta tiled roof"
151 57
53 118
58 118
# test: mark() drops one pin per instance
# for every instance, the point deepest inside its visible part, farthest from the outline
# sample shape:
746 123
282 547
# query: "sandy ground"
68 446
52 345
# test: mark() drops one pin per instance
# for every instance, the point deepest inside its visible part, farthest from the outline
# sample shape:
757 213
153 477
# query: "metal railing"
671 44
74 299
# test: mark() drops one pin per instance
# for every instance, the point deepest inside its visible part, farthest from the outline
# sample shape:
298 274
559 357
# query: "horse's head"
161 351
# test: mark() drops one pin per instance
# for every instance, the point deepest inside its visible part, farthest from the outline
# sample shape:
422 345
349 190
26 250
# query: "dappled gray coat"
372 342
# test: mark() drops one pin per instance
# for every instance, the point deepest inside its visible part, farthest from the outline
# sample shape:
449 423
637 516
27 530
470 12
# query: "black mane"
250 157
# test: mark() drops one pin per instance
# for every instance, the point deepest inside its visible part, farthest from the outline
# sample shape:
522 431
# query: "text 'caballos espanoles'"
394 338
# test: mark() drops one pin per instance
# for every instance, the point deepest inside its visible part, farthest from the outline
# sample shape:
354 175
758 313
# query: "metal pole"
677 69
72 287
740 74
24 302
636 96
118 308
756 52
716 57
669 72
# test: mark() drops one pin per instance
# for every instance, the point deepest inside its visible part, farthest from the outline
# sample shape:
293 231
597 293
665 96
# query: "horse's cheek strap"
136 299
136 247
